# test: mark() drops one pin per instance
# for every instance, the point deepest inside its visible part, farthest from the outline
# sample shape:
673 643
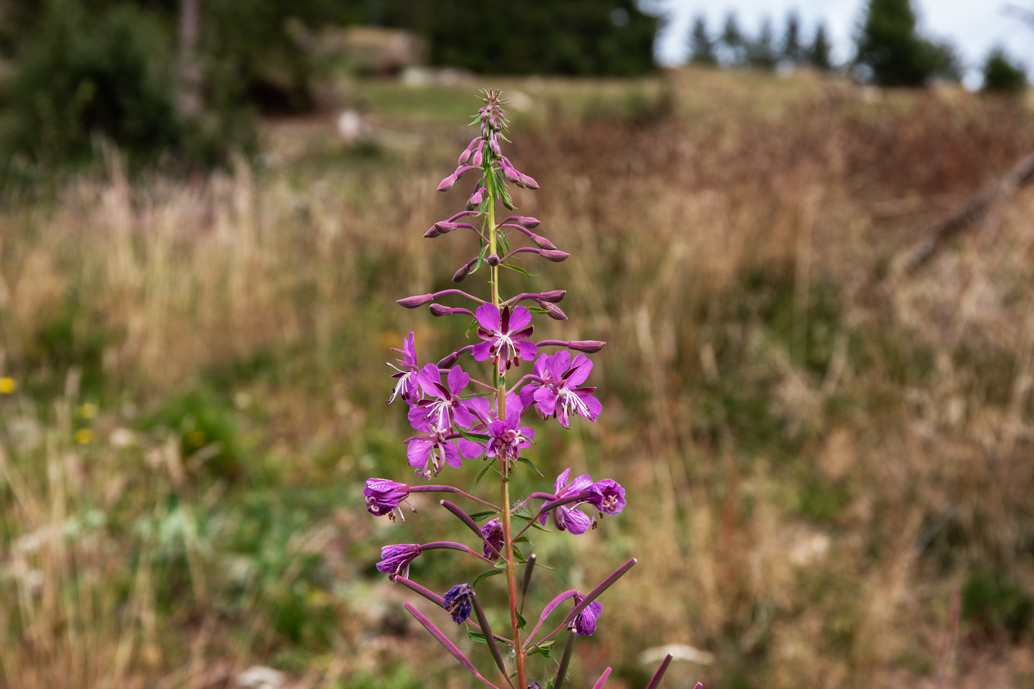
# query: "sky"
973 26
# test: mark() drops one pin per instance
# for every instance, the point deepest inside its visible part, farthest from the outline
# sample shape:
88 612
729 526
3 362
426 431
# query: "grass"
820 455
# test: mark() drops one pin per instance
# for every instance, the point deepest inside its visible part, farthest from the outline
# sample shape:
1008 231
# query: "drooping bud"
446 184
415 301
478 158
529 182
460 274
542 242
445 227
459 602
511 173
465 156
476 198
432 233
554 255
524 221
493 143
437 310
383 496
449 361
492 260
553 311
587 346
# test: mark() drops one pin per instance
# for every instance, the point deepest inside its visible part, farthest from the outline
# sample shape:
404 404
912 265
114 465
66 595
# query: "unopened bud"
476 162
437 310
553 296
587 346
554 255
530 223
433 232
449 361
476 198
460 274
528 181
446 184
465 156
492 260
553 311
511 174
444 227
493 143
542 242
414 302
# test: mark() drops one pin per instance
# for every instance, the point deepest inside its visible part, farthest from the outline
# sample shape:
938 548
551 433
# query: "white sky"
973 26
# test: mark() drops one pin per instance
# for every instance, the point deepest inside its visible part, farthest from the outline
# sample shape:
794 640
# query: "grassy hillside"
827 461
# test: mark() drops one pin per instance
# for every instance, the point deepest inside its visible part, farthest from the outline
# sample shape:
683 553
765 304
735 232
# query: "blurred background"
806 236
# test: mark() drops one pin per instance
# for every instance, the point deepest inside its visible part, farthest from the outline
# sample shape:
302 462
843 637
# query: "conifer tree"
732 42
819 51
701 45
890 48
1002 74
792 50
761 52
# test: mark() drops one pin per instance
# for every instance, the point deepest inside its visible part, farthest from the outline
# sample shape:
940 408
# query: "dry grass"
819 454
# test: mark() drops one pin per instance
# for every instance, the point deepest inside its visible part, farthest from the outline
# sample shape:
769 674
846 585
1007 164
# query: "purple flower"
566 517
458 601
395 559
493 533
427 453
507 437
444 406
585 623
506 335
556 390
407 369
383 497
608 496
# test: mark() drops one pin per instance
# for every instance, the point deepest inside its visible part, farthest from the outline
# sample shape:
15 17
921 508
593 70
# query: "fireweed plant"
458 417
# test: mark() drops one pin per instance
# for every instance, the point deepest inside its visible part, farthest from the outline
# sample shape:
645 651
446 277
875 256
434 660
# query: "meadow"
827 457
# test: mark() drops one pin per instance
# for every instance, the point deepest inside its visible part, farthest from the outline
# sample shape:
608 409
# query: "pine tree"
890 48
792 50
1002 75
701 45
733 42
819 51
761 52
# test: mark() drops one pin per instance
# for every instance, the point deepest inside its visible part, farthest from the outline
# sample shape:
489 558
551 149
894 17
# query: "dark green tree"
761 52
701 45
792 50
1002 74
575 37
819 51
733 42
891 50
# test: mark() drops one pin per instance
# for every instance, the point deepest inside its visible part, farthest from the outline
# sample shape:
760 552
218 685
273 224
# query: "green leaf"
518 269
538 309
480 516
477 636
485 575
481 259
503 244
542 649
484 471
471 327
525 460
534 523
474 437
521 622
522 539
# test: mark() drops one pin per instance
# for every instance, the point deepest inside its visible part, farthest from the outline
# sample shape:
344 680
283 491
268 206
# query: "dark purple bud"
587 346
437 310
493 533
553 296
462 273
492 260
554 255
542 242
458 601
553 311
432 233
414 302
528 182
450 360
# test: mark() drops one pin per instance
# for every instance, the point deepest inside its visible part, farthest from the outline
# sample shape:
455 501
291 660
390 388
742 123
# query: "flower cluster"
459 414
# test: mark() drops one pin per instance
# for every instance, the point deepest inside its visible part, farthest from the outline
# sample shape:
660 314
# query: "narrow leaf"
482 516
517 269
492 645
529 569
565 661
476 636
485 575
525 460
444 641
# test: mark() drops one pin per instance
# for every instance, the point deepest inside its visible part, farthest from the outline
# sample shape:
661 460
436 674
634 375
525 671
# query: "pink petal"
577 522
457 379
519 319
582 368
527 349
481 351
561 481
488 316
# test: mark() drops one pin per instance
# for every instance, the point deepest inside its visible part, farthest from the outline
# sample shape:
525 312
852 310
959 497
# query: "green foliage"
1002 75
701 45
762 52
206 429
733 40
574 37
818 53
85 76
994 602
792 49
893 54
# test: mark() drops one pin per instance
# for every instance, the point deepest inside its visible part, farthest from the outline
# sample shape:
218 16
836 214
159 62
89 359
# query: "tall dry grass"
819 453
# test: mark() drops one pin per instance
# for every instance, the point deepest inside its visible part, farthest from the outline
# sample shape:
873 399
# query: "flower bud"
511 174
554 296
460 274
529 182
587 346
542 242
553 311
449 361
437 310
492 260
445 227
465 156
432 233
446 184
554 255
524 221
493 143
476 198
414 302
476 162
